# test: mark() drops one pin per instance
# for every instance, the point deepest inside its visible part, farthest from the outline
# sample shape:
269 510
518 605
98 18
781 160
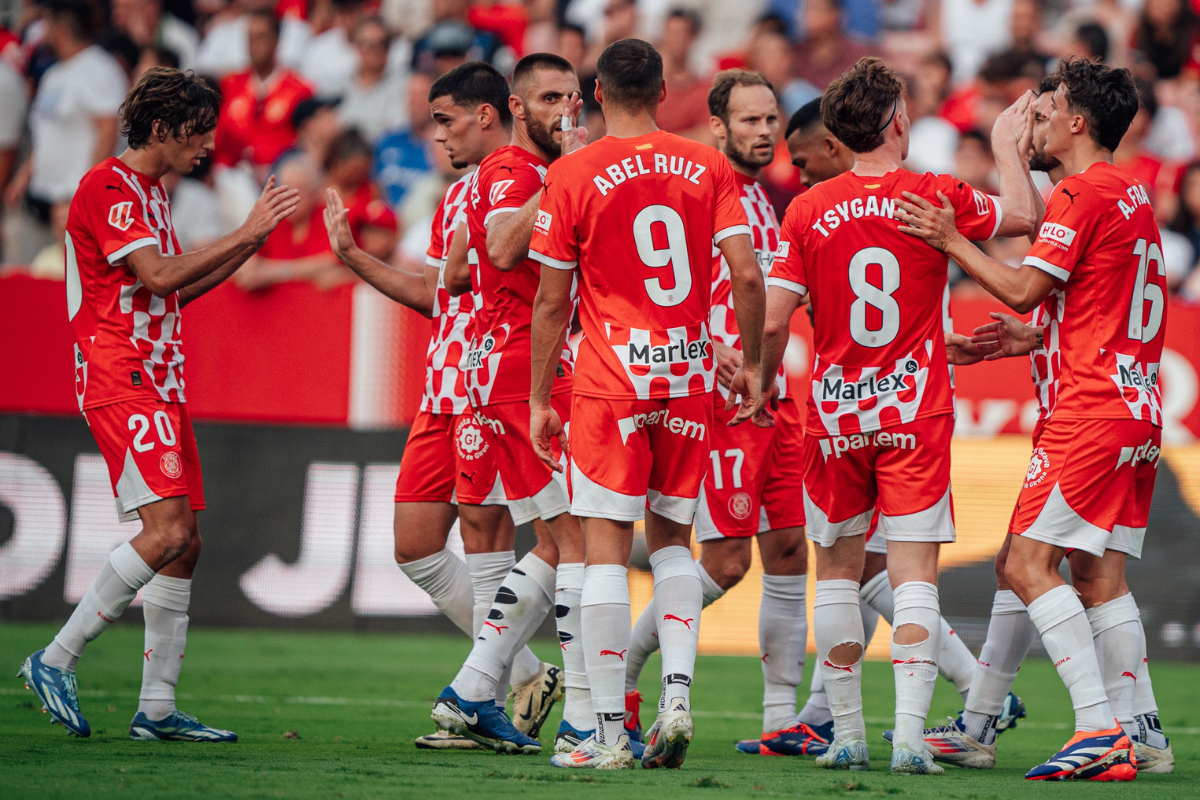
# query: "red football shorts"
905 470
1089 485
754 477
625 452
533 489
449 458
150 450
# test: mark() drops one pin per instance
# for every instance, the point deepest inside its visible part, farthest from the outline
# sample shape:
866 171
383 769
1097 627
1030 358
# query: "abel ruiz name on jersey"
635 167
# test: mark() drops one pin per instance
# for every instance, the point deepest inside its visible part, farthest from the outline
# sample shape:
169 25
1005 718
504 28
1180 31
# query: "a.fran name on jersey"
1138 196
871 206
635 167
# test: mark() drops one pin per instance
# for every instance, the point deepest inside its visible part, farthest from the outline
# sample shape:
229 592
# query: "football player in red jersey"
1096 278
755 472
504 281
642 414
880 415
449 458
126 283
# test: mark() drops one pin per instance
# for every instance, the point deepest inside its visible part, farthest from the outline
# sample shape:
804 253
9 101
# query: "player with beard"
970 739
756 472
448 469
504 281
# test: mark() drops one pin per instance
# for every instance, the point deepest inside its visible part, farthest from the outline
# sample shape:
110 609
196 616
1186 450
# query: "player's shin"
606 628
1010 635
782 636
487 571
106 599
1067 636
955 661
165 609
837 628
1117 636
577 707
446 579
1145 707
679 599
915 644
642 644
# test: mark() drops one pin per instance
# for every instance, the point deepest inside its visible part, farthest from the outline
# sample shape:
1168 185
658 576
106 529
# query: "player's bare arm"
1020 288
729 361
551 315
508 235
781 304
456 275
415 290
193 274
1007 337
750 304
1011 137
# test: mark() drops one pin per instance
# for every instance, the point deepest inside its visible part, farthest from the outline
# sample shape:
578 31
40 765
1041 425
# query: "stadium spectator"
685 109
375 100
257 105
771 54
14 103
403 156
1026 27
1090 41
826 52
117 44
1167 35
348 170
973 30
225 48
73 125
317 125
453 40
152 57
145 22
196 208
329 58
1136 160
973 161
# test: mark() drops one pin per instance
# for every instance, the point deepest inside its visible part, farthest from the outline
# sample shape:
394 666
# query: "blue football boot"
176 727
58 691
1089 756
482 721
798 740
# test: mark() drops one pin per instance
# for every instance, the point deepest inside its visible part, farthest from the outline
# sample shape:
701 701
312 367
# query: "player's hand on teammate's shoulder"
337 224
1006 337
729 361
574 136
544 426
275 204
923 219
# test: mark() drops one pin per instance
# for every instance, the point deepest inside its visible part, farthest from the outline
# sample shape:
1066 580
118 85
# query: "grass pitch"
333 715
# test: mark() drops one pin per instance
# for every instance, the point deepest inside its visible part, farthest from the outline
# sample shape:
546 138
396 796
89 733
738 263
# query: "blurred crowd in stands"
333 93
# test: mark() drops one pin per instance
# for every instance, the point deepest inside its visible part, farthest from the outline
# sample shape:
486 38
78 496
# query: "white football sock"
955 662
568 594
488 571
645 630
1117 636
678 600
521 604
915 665
816 707
877 593
110 594
165 605
525 666
1067 636
870 619
444 577
837 620
782 636
606 629
1010 634
1145 708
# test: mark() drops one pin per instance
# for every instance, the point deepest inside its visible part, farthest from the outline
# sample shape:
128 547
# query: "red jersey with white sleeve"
640 221
498 365
449 341
1106 315
877 297
764 236
127 341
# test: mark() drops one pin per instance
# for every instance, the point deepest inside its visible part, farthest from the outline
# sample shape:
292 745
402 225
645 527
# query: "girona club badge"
120 216
1038 467
739 505
469 440
170 464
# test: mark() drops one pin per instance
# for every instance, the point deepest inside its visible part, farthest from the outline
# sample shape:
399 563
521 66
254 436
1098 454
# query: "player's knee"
910 633
175 538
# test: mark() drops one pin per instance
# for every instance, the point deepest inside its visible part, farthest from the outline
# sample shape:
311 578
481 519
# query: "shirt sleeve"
509 189
117 219
1071 217
729 215
104 91
554 242
976 214
433 256
788 270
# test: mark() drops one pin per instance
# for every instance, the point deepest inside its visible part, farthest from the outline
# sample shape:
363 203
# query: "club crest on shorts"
1038 465
469 441
739 506
170 464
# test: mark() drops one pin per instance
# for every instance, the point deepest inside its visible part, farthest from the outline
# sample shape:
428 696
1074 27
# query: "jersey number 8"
879 298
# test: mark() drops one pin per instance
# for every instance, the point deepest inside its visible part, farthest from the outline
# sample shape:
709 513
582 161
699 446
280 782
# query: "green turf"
355 702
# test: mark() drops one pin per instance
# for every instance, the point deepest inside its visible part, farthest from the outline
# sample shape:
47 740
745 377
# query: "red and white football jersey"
499 362
639 218
127 341
1105 319
450 339
877 297
764 236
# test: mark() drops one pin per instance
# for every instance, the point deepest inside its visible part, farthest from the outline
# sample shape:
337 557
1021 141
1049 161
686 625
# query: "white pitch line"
386 702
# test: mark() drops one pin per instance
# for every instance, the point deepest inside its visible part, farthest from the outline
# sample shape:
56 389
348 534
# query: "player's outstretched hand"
574 136
961 351
275 204
745 390
337 224
729 361
544 426
927 221
1007 337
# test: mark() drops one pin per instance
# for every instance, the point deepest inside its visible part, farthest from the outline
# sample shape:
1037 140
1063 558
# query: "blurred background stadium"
303 380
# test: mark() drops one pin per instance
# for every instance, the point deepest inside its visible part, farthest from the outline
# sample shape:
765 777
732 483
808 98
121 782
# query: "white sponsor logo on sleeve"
1054 232
542 223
